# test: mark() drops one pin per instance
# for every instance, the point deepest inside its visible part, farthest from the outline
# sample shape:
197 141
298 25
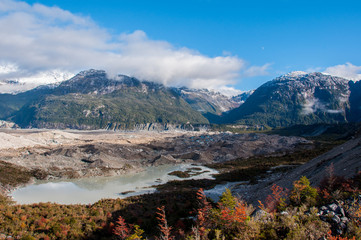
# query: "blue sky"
270 38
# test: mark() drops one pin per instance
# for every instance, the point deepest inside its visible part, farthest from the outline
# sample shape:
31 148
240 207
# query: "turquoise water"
91 190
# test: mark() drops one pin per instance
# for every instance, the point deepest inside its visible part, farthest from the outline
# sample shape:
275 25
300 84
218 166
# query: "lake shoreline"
97 188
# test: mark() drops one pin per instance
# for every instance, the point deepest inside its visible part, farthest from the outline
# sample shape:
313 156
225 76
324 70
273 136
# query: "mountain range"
91 100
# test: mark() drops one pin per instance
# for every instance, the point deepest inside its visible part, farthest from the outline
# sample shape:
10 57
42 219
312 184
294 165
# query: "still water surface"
90 190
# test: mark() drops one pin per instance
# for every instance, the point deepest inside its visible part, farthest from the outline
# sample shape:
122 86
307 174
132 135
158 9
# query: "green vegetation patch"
12 175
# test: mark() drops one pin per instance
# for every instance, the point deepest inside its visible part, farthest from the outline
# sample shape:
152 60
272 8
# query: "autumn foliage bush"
276 200
121 229
165 230
338 187
303 193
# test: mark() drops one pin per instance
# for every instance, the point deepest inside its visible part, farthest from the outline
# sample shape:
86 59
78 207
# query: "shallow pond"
90 190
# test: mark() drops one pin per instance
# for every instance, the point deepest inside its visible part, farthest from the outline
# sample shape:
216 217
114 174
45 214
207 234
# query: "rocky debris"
220 147
62 154
8 125
336 216
81 160
260 215
5 237
339 214
157 127
164 159
191 155
13 139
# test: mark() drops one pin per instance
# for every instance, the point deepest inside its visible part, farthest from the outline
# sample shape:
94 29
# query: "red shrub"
163 225
121 229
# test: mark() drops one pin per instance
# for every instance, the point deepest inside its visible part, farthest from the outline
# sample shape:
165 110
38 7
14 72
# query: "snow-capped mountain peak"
15 85
296 74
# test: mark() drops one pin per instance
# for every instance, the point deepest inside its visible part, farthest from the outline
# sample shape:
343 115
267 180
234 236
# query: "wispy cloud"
41 38
312 105
348 71
257 70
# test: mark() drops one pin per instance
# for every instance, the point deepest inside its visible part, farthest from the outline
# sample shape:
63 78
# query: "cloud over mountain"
348 71
41 38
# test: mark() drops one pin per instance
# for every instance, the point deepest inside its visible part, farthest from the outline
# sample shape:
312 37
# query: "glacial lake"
91 190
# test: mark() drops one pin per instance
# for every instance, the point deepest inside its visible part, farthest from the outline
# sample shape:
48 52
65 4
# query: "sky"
228 44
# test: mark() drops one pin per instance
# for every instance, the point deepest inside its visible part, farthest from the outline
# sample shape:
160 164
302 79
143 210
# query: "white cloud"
348 71
40 39
229 91
6 68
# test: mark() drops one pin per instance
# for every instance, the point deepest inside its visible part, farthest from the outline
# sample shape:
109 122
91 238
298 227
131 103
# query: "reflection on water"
90 190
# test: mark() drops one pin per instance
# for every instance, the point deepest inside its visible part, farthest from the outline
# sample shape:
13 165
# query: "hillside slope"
11 103
345 159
